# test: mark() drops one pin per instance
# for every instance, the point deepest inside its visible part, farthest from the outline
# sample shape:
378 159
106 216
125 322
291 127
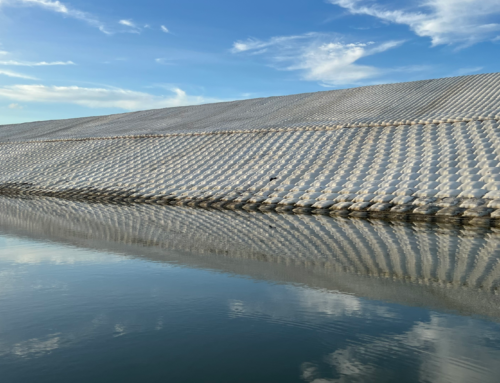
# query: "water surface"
108 293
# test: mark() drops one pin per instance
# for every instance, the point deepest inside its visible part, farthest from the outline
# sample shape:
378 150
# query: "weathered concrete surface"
421 149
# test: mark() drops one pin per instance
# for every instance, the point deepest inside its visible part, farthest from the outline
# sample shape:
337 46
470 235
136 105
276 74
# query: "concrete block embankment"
424 149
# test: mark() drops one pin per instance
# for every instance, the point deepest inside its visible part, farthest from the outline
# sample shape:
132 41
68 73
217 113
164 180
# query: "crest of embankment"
426 148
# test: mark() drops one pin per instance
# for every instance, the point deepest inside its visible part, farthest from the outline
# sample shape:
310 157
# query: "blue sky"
72 58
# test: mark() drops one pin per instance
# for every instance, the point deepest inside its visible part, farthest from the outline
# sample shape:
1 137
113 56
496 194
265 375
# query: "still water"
104 293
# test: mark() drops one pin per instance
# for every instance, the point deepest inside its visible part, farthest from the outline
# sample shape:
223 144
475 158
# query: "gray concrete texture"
425 148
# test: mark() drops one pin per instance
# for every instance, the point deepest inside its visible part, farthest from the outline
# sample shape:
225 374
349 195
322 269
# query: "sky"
75 58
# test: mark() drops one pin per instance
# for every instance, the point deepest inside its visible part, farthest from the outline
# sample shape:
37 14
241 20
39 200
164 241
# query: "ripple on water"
110 292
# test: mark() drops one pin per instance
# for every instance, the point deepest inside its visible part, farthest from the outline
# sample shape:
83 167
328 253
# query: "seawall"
411 150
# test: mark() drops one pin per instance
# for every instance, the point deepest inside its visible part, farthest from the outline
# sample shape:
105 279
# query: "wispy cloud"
9 73
164 61
318 57
464 71
15 106
132 27
260 46
40 63
127 23
463 22
100 97
165 29
59 7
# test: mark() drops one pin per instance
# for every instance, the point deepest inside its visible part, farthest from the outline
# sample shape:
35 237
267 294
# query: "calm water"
93 293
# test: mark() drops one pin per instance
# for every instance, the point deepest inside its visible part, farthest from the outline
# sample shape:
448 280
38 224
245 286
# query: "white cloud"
15 106
465 22
260 46
41 63
127 23
58 7
9 73
165 29
130 24
55 6
335 63
318 57
100 97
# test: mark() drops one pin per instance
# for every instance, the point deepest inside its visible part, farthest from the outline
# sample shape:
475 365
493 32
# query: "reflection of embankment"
454 268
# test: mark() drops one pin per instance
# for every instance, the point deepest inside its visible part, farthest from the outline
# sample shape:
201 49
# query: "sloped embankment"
422 149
